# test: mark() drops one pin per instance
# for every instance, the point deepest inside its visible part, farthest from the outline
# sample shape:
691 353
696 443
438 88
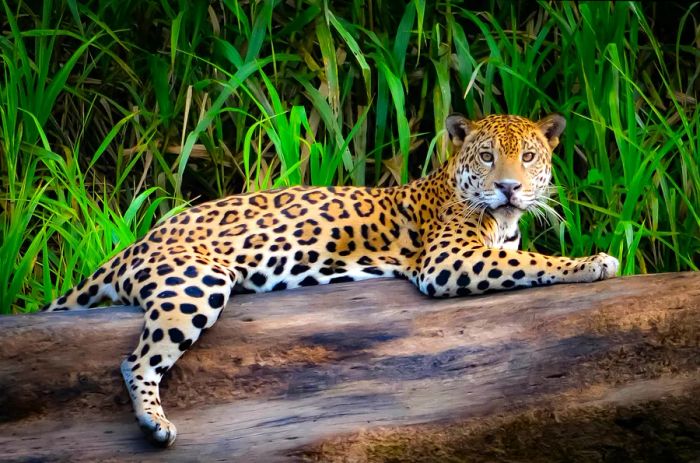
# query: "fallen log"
282 375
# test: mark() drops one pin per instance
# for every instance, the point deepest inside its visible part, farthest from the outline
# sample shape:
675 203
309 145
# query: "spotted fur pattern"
452 233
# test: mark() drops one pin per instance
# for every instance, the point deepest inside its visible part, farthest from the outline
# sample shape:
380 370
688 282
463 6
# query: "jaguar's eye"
528 156
486 157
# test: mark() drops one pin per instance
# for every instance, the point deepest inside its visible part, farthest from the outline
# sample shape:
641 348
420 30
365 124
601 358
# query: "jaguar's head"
503 163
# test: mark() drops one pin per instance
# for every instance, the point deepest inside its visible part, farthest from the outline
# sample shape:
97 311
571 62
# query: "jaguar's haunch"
452 233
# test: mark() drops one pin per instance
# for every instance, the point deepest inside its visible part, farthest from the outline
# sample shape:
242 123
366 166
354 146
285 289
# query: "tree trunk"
282 375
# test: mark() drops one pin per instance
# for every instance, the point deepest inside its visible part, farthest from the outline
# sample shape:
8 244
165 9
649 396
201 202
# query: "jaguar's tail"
89 292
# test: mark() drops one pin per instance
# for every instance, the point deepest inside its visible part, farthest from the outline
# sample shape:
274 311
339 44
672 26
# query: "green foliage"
115 114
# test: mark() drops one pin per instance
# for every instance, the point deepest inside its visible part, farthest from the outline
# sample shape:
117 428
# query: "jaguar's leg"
478 269
179 307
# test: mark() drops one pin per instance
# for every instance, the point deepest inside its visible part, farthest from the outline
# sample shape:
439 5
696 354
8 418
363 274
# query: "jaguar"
454 232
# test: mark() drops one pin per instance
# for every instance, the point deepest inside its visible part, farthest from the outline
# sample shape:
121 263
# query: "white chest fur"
506 234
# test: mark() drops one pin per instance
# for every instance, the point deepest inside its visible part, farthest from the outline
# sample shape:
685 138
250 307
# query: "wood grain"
281 371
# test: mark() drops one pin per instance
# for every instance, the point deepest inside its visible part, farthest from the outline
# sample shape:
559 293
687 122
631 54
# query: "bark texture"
328 373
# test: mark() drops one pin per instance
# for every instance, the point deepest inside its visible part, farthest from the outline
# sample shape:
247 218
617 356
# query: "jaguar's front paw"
158 430
606 265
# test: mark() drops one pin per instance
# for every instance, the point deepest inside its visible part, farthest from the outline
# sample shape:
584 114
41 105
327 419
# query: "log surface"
282 371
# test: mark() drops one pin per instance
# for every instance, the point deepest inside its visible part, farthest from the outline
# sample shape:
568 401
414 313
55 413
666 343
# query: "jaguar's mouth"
509 208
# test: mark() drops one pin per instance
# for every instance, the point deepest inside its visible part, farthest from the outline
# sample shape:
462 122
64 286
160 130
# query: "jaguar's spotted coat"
452 233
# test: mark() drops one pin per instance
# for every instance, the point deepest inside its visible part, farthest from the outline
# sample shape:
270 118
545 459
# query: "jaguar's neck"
428 198
432 199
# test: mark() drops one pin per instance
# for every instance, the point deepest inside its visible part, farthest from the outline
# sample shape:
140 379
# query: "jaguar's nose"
508 187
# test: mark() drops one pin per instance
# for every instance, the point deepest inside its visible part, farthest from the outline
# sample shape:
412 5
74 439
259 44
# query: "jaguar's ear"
551 127
458 127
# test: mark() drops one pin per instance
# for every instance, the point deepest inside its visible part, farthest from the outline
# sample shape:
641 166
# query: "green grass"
116 114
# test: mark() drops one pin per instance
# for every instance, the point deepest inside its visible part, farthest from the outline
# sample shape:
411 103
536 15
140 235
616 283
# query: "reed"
117 114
